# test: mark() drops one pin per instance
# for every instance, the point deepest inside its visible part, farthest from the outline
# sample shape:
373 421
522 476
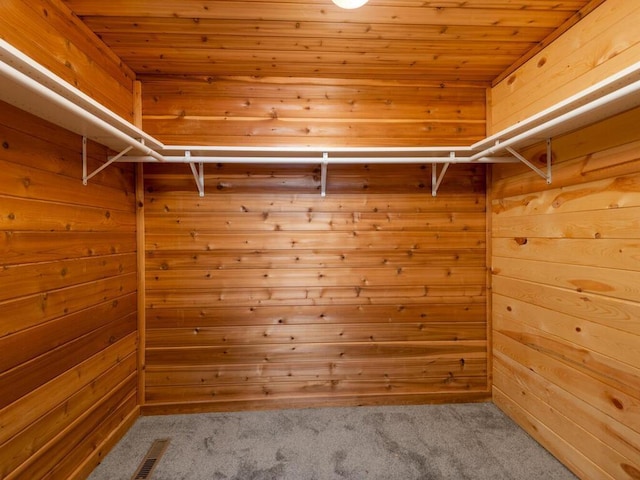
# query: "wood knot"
632 471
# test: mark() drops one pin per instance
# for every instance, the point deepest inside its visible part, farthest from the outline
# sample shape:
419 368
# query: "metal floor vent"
151 459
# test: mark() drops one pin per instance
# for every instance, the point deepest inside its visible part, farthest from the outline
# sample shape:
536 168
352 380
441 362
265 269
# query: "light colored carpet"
426 442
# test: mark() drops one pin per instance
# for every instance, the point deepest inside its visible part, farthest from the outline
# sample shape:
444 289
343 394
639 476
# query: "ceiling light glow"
349 4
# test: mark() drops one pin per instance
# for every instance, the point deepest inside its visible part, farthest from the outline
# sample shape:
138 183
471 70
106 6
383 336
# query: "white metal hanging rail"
313 156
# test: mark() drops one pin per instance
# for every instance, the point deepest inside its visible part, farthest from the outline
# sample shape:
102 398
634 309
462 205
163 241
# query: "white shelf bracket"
198 174
436 179
84 160
323 173
549 154
86 177
546 175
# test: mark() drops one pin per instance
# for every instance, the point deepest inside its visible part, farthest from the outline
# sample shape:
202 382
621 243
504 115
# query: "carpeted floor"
466 441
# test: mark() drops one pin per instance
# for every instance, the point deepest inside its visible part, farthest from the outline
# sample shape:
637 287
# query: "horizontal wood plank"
300 334
472 364
463 201
30 183
19 248
338 277
238 354
234 259
29 279
617 192
448 384
454 309
320 221
357 295
604 252
621 284
611 223
26 215
197 242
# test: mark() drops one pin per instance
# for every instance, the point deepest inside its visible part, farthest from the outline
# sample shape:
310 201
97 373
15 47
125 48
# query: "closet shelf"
29 86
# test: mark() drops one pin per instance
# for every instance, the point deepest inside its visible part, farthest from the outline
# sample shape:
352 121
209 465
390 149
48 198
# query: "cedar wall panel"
68 287
68 336
50 34
318 112
566 299
264 294
604 42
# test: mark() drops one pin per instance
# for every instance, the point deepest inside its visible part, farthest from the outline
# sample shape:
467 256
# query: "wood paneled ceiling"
472 41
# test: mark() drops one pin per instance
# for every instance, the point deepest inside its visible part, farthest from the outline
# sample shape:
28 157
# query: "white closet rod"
312 160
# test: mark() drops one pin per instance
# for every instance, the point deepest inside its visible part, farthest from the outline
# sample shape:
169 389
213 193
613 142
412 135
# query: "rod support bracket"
323 173
197 172
84 161
546 175
436 180
549 155
85 176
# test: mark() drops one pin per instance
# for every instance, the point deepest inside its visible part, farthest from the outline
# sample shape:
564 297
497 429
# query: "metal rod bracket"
436 180
323 172
86 177
549 154
546 175
198 173
84 160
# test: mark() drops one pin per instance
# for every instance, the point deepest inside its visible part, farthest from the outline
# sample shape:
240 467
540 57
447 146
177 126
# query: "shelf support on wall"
198 174
549 160
88 176
436 179
546 175
323 173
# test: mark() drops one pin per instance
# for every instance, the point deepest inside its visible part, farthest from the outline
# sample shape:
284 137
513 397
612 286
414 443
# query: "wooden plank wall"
68 369
604 42
67 300
263 294
50 34
319 112
566 299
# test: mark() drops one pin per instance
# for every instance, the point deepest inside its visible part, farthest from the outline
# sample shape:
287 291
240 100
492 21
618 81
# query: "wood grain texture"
68 373
565 303
298 297
603 43
274 111
62 43
471 41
